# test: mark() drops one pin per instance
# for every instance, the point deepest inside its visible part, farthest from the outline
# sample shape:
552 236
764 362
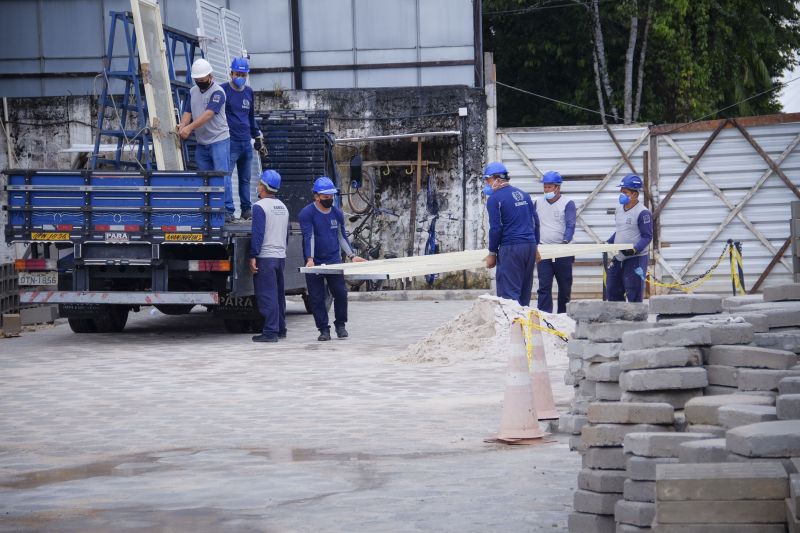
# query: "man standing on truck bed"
324 240
205 116
268 257
241 115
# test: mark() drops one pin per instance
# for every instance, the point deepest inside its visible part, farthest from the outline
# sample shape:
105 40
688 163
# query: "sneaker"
264 338
229 217
247 214
324 335
281 334
341 332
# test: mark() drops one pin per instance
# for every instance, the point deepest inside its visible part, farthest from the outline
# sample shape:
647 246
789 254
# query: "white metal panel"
268 29
458 75
387 77
445 23
212 38
385 24
332 79
19 41
326 25
232 30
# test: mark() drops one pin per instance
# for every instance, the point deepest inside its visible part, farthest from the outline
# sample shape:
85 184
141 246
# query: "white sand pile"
482 331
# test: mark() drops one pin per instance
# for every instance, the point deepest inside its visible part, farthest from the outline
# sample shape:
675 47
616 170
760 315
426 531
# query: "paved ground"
175 425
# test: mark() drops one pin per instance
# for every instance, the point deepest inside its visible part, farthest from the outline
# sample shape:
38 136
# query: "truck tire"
82 325
175 309
113 321
307 302
236 325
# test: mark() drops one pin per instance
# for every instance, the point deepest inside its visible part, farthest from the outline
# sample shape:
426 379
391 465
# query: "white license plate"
38 278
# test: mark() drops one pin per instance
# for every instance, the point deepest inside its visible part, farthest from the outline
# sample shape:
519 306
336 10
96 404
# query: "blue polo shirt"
512 218
240 110
324 236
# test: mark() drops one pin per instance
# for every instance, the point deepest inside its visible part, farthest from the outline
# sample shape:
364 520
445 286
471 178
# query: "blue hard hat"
495 167
271 180
632 182
240 64
552 177
324 185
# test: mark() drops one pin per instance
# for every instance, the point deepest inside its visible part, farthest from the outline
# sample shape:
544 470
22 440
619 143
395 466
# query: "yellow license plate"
183 237
49 236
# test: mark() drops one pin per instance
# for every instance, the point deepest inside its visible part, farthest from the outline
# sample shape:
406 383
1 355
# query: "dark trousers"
316 284
514 275
271 300
623 282
561 270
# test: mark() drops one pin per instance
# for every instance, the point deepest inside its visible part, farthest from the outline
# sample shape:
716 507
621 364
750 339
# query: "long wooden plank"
405 267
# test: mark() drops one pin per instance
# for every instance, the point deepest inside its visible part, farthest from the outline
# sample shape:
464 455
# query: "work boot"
282 334
324 335
247 214
341 332
229 218
264 338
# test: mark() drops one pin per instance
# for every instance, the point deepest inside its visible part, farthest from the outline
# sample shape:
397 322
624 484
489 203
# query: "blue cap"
493 168
632 182
324 185
552 177
271 180
240 64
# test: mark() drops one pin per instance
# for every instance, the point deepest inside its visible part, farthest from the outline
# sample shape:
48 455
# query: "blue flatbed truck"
102 243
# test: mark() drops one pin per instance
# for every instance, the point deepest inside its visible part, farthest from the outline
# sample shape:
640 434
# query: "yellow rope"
737 261
528 325
689 287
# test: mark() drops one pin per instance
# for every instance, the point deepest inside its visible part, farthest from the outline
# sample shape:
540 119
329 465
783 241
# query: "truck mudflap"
118 297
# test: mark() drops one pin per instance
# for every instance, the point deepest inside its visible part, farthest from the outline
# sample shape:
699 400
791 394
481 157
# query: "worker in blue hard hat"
634 225
205 116
557 221
324 242
268 256
513 235
240 110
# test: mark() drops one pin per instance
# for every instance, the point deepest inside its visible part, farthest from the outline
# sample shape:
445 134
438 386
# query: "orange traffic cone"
519 423
540 377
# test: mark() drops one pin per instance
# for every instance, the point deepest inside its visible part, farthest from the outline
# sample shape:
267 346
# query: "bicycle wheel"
362 199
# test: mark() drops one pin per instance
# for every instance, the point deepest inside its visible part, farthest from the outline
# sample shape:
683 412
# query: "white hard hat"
201 68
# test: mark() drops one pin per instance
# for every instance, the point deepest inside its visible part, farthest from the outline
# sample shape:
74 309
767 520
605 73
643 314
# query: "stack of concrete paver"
593 354
644 452
703 413
601 481
717 498
746 368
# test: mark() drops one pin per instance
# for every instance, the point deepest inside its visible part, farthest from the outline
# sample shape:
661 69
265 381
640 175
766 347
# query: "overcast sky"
790 96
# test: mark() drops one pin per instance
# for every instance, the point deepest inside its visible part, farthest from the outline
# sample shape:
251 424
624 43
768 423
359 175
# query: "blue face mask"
487 190
549 195
239 82
624 199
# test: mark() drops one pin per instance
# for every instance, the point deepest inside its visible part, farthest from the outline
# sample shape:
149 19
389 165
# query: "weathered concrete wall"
41 127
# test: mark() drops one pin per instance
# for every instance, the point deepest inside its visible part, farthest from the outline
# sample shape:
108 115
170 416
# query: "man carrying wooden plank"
513 235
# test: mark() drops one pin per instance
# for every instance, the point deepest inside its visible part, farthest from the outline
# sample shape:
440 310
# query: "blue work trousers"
561 270
216 157
242 160
271 300
316 284
514 275
623 282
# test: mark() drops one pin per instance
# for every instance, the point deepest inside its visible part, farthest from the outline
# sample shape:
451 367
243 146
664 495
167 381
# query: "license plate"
116 236
183 237
49 236
38 278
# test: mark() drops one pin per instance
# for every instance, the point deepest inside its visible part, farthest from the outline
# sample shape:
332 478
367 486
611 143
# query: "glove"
628 253
259 144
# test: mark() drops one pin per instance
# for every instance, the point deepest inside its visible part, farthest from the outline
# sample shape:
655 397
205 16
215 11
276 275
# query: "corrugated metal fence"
707 182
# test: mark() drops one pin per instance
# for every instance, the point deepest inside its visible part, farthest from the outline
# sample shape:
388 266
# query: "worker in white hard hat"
205 116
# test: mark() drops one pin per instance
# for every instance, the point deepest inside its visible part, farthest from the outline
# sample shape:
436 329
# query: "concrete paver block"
780 293
607 331
716 512
587 388
593 351
590 523
718 528
780 438
663 379
635 513
749 357
734 302
610 458
639 491
690 334
717 431
721 482
779 314
703 451
576 444
12 325
727 376
790 385
731 416
603 371
659 444
601 480
608 391
631 413
571 424
703 410
792 517
600 435
787 406
718 390
779 340
759 379
676 398
685 304
794 493
586 501
629 528
602 311
759 321
671 356
575 348
644 468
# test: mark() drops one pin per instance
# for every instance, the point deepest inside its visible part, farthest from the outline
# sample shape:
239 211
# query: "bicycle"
361 240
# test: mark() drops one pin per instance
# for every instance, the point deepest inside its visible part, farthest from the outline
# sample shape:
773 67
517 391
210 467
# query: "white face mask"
549 195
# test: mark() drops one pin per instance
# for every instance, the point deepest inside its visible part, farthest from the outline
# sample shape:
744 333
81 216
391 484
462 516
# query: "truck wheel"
82 325
307 302
236 325
113 321
257 324
175 309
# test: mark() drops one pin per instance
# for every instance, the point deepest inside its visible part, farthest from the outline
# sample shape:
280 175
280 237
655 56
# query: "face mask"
239 82
549 195
487 190
326 203
624 199
203 85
